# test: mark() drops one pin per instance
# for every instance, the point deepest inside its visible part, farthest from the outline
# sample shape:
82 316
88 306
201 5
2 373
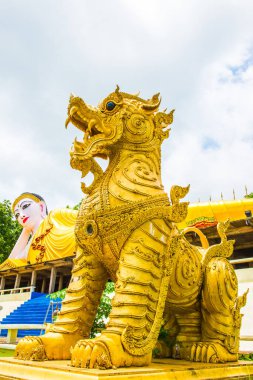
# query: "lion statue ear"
153 103
163 119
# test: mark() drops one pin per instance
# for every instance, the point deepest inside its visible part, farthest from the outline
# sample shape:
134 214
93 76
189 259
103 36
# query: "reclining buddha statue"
44 236
126 231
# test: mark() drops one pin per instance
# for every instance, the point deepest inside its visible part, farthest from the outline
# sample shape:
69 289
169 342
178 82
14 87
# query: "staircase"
37 310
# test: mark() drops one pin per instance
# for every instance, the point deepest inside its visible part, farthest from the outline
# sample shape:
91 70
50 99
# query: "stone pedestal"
163 369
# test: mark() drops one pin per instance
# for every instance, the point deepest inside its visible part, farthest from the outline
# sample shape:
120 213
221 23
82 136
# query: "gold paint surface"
126 230
163 369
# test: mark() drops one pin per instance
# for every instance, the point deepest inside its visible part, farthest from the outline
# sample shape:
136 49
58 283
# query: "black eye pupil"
110 106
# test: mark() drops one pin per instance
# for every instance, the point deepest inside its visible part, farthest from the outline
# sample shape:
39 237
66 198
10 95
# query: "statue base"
160 369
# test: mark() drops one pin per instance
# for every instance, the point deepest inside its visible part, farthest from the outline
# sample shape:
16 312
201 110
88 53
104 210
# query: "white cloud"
215 150
197 54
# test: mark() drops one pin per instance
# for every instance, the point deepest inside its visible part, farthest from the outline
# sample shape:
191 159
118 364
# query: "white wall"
245 281
10 302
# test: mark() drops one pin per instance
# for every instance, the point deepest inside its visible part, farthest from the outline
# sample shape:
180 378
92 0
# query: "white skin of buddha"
29 214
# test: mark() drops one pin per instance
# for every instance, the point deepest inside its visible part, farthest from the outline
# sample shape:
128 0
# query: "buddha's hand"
27 230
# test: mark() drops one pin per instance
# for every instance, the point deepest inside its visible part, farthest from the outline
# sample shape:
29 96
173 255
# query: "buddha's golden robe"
53 240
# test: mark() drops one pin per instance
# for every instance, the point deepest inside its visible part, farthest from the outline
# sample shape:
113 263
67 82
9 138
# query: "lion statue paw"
105 352
30 348
51 346
211 352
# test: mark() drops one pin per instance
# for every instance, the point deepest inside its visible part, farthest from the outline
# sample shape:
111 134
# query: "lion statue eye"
110 106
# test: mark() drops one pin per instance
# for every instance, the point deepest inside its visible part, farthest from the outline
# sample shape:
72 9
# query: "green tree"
76 207
9 230
103 310
249 195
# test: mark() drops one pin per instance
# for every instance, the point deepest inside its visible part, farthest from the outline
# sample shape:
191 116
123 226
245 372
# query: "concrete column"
17 281
52 280
2 284
12 336
34 278
43 287
60 282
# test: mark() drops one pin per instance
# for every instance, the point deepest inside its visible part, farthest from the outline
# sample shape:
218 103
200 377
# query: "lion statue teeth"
126 231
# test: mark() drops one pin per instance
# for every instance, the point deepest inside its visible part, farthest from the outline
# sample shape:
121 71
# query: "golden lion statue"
126 231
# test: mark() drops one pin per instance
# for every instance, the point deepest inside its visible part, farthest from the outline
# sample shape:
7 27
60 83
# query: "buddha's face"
29 213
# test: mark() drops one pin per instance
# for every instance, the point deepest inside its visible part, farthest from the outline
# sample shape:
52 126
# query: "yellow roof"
210 213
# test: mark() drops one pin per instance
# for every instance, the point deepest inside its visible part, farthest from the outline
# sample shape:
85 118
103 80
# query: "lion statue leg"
182 315
221 318
138 304
168 334
180 331
203 297
76 316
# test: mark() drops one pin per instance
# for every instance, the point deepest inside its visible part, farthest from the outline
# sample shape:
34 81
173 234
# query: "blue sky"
198 54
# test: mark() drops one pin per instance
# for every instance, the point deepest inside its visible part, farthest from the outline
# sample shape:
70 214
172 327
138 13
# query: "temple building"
206 216
49 262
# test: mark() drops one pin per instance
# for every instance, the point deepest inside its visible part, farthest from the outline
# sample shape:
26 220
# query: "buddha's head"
29 210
